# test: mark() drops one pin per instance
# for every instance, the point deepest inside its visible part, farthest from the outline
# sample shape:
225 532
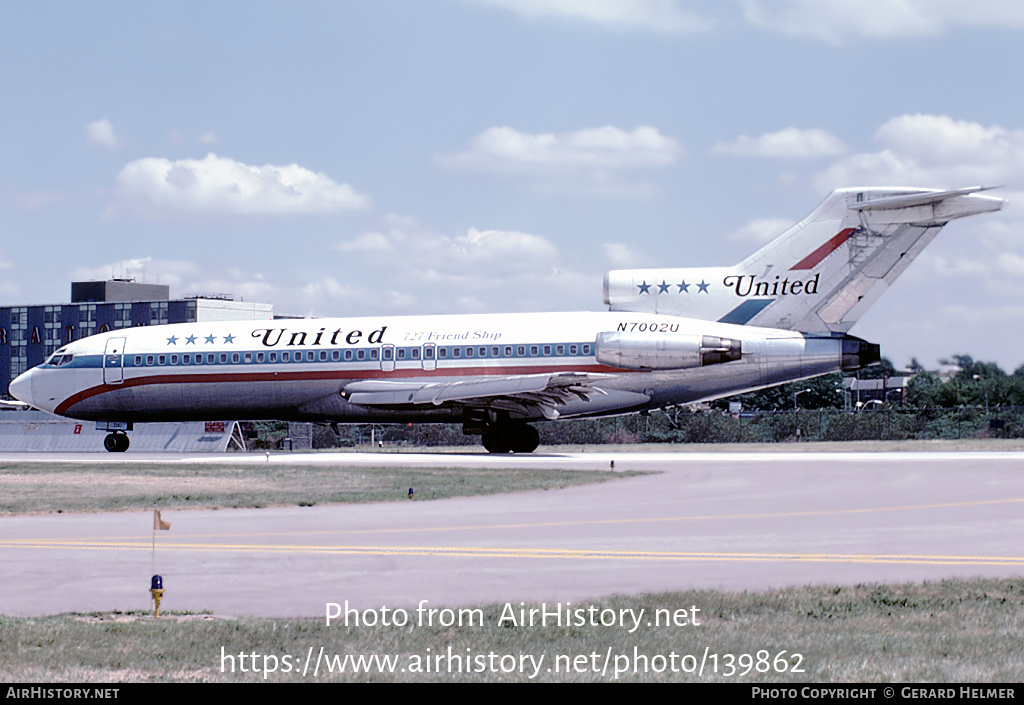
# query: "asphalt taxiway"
732 521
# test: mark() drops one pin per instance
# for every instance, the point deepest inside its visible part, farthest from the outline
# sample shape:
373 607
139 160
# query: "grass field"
35 488
957 631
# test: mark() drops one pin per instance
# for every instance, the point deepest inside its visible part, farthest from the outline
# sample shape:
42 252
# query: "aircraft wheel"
517 438
525 439
496 441
116 443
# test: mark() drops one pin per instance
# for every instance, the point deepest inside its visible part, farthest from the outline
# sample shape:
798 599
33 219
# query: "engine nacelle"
858 353
665 351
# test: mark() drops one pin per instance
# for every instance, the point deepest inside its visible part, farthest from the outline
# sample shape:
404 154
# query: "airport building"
891 390
29 334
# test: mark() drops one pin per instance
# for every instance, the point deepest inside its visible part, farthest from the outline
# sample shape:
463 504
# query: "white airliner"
672 336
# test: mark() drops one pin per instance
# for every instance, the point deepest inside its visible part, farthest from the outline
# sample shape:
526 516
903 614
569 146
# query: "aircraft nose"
21 388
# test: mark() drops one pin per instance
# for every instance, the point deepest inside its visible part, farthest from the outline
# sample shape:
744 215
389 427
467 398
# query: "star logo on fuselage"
229 338
663 287
209 339
703 286
683 286
172 340
191 340
645 288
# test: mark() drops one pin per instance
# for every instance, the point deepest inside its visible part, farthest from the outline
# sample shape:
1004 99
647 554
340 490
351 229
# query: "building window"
158 313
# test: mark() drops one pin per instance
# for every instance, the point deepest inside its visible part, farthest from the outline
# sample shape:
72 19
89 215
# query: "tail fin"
819 276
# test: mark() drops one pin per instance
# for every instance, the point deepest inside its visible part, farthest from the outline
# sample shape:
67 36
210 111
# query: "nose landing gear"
116 442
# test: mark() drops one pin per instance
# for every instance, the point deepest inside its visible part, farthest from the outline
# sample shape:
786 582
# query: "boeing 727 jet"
671 336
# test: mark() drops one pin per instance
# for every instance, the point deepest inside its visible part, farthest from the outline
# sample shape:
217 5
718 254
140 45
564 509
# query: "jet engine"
664 351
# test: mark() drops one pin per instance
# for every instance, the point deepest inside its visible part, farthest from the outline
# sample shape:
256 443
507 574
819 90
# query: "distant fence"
684 426
834 425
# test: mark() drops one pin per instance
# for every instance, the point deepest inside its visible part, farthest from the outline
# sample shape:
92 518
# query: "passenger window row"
386 352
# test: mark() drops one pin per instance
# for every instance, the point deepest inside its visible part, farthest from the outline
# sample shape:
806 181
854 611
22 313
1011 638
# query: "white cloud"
478 270
790 143
835 21
208 137
981 256
503 148
482 258
662 16
760 231
932 150
620 255
584 161
218 186
101 133
328 296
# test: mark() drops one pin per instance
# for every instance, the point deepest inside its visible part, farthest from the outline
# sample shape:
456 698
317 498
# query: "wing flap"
543 390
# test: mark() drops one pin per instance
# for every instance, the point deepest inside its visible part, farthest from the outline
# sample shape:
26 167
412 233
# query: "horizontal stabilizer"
917 199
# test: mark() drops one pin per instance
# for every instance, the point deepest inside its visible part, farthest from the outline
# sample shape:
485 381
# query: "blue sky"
446 156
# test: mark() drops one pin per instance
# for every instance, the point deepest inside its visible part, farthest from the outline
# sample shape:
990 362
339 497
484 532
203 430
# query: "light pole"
977 378
796 394
846 397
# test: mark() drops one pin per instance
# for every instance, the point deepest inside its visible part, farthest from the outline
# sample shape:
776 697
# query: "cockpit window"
57 359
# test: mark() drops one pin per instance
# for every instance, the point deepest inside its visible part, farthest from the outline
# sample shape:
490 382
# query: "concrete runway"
733 521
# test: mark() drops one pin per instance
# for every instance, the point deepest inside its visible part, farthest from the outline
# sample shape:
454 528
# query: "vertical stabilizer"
820 275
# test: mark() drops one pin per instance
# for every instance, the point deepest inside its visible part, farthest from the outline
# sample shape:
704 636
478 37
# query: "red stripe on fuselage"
811 261
345 376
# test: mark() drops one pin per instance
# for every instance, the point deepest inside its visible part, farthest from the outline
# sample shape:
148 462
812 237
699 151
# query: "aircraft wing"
545 392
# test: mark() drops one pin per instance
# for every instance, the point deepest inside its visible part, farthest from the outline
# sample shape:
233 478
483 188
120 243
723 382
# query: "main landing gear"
511 437
116 442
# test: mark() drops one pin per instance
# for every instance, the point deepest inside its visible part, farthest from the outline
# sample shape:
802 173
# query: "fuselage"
298 368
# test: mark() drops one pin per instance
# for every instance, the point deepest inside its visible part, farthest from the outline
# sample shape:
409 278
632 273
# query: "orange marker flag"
158 523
